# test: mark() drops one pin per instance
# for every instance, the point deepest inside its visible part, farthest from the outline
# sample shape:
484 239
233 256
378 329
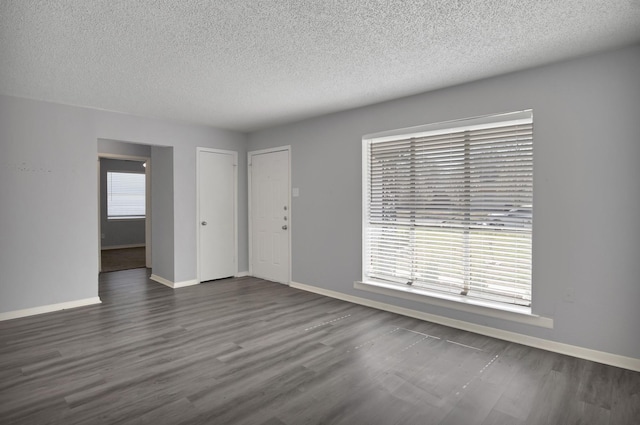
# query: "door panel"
217 214
270 215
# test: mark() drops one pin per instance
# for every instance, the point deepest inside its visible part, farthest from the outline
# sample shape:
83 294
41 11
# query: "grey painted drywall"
586 189
48 205
49 197
118 232
184 139
115 147
162 207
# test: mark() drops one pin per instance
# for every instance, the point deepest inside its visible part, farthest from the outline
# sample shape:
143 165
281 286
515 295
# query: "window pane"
451 212
125 195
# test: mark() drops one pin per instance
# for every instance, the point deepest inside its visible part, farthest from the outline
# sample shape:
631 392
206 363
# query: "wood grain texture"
122 259
248 351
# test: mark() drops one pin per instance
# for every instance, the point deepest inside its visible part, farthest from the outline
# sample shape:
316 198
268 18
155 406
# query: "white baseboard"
186 283
173 285
557 347
242 274
49 308
134 245
162 280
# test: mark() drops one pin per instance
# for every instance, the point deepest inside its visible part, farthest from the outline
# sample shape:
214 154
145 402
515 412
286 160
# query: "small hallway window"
125 195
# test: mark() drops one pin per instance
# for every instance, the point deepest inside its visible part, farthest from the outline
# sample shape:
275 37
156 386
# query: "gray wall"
162 216
586 189
48 204
118 232
115 147
49 197
184 139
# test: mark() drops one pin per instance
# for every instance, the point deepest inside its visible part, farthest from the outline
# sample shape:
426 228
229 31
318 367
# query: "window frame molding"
517 313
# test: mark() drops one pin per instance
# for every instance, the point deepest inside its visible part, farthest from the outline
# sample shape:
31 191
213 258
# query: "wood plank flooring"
248 351
122 259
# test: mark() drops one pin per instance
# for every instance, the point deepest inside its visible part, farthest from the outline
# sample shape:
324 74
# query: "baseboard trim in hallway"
173 285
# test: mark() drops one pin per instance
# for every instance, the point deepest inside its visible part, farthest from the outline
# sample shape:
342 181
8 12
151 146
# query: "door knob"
204 223
284 227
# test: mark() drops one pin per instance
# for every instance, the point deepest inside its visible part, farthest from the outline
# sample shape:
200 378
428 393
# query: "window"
448 209
125 195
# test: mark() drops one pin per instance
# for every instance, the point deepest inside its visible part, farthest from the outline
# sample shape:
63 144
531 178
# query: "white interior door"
270 218
216 214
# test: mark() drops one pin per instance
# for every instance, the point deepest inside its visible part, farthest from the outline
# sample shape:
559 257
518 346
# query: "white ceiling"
250 64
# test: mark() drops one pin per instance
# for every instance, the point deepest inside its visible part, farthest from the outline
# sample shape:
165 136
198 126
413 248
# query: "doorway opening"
124 212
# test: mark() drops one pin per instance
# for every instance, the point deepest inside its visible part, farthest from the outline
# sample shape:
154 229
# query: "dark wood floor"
246 351
122 259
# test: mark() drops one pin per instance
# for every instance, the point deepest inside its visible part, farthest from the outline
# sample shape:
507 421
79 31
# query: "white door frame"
234 154
147 219
99 220
250 154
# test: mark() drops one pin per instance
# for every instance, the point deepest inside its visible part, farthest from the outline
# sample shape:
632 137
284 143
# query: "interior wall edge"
171 284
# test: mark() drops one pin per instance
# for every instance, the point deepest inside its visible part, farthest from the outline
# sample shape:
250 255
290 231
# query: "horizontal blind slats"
452 212
125 194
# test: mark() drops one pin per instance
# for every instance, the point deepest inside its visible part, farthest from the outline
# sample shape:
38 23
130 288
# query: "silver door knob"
284 227
204 223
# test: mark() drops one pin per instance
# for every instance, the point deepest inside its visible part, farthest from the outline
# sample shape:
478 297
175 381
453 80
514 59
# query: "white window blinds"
450 209
125 195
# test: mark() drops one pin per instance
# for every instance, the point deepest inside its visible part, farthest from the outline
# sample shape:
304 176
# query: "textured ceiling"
250 64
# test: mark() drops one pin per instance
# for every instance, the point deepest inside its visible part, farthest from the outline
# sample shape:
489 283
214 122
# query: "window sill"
486 308
126 219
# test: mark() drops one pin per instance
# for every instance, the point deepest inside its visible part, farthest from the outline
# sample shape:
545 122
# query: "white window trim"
505 311
476 123
513 313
